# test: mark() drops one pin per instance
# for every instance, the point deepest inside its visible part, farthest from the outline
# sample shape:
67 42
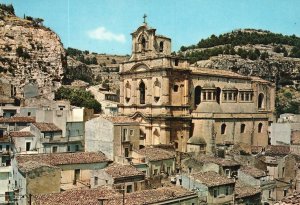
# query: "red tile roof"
29 166
17 119
56 159
242 190
46 127
91 196
217 160
211 179
20 134
120 119
119 171
155 154
252 171
277 150
294 199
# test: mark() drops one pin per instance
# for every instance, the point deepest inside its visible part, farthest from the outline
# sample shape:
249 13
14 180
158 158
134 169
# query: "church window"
242 96
204 95
143 43
243 127
218 93
209 96
230 96
142 92
260 126
260 101
197 95
225 96
175 88
223 129
161 46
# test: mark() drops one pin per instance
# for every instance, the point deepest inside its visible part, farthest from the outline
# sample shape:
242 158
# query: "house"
202 163
154 161
23 142
258 179
211 187
15 123
120 176
119 135
77 169
34 177
246 195
106 196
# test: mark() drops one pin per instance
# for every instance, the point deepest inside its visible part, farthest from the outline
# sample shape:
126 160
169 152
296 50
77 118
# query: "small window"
285 192
7 148
54 149
29 114
260 126
126 152
96 181
175 88
176 62
0 147
131 132
76 148
209 96
69 148
243 126
223 129
129 189
227 191
28 146
155 172
216 193
161 46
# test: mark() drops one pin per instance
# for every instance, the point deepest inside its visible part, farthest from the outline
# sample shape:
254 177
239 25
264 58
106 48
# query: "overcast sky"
104 26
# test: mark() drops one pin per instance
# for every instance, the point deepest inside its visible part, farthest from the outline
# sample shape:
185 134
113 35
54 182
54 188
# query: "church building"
195 109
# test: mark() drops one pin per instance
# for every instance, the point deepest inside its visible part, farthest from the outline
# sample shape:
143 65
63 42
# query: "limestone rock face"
30 51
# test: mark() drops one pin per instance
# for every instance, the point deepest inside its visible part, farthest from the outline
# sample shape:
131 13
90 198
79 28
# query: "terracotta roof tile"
217 160
217 72
20 134
33 165
119 119
119 171
211 179
277 150
155 154
91 196
47 127
292 199
18 119
252 171
56 159
243 190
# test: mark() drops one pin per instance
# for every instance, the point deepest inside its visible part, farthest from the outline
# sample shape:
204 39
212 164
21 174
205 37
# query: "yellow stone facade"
192 108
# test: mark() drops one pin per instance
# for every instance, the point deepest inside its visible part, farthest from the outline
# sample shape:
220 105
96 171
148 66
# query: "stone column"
166 90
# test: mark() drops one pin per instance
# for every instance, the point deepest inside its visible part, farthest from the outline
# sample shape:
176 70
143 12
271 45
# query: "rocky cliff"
30 51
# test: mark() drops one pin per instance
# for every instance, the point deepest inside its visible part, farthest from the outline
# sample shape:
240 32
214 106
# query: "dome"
196 140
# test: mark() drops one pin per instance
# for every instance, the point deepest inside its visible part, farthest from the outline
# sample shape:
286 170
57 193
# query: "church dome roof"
197 140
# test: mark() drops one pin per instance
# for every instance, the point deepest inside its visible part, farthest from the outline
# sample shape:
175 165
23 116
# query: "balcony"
54 140
75 138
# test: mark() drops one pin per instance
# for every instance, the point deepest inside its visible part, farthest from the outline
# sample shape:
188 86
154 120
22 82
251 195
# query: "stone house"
211 187
203 163
174 101
77 169
23 142
259 179
115 136
154 161
120 176
106 196
33 177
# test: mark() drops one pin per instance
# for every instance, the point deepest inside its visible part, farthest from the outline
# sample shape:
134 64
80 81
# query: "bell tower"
145 43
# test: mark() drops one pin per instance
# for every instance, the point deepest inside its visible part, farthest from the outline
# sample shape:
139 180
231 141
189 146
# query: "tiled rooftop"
155 154
47 127
211 179
294 199
243 190
17 119
217 160
91 196
252 171
64 158
277 150
218 72
119 171
119 119
32 165
20 134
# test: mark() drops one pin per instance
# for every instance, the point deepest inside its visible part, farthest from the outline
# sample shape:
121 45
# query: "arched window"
223 129
143 42
161 46
259 129
197 95
243 127
218 94
260 102
142 92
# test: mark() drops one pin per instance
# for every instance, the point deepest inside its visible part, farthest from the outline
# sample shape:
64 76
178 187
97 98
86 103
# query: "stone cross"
145 16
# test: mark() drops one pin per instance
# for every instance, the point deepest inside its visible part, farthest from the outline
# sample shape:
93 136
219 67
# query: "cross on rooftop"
145 16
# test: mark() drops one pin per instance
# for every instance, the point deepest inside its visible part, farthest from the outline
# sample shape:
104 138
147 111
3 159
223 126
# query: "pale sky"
104 26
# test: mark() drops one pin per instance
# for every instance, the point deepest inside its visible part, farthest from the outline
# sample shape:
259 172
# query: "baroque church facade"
195 109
